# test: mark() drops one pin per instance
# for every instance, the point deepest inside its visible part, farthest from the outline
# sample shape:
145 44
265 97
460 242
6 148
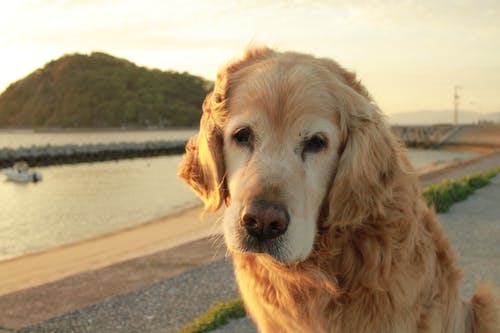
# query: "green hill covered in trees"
99 90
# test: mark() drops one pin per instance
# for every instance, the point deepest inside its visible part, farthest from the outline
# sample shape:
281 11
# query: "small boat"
20 173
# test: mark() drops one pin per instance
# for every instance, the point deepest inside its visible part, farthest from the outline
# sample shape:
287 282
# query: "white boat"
20 173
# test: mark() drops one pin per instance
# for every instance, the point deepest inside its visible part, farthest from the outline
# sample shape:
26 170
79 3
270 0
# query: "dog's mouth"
274 247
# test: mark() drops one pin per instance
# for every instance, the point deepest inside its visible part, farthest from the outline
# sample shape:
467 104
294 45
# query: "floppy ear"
367 163
203 164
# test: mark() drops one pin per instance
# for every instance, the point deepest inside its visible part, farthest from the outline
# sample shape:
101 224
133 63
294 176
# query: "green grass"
444 194
217 316
440 196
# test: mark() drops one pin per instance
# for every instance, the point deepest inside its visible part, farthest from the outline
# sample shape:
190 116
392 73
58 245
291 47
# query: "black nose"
264 220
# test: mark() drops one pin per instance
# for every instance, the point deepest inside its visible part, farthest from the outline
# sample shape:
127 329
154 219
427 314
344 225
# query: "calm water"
22 138
82 201
75 202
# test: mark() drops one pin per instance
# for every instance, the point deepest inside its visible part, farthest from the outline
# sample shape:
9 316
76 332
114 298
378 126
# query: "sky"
409 54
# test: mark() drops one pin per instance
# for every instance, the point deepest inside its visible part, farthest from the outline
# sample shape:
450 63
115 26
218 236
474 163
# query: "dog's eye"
315 144
243 136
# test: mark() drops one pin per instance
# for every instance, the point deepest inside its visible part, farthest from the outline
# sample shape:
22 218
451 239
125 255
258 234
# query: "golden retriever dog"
323 213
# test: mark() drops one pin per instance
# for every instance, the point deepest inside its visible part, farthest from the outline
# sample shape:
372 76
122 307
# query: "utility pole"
456 97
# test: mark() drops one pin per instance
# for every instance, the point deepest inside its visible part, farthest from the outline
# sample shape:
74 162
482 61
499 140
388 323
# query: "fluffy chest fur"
384 278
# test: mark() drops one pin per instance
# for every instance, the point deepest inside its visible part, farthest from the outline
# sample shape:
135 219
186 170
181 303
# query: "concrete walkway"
473 227
159 308
469 167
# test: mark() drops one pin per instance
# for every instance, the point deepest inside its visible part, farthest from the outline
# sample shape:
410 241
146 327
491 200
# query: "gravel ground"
162 307
473 227
244 325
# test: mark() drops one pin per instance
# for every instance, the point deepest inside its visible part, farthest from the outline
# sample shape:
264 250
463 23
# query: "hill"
99 90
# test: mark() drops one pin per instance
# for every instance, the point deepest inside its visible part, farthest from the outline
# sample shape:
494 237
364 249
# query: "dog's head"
291 144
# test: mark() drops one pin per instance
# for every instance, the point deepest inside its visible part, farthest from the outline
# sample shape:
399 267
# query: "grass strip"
216 316
444 194
440 196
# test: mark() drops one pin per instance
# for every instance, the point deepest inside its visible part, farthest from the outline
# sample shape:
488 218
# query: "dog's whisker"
217 243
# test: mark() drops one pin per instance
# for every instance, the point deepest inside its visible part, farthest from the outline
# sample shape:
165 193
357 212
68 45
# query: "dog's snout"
265 220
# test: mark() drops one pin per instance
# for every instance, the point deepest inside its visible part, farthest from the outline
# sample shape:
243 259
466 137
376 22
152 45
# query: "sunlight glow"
409 54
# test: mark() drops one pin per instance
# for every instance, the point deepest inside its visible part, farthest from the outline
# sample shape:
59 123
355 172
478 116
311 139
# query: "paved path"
473 227
159 308
461 169
34 305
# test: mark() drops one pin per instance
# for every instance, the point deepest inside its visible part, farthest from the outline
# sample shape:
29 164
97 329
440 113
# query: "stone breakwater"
423 136
67 154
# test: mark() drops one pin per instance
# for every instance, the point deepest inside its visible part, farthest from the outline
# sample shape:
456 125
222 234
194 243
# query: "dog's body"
324 215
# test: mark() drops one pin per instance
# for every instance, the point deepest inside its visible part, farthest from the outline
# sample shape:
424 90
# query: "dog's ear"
367 163
203 164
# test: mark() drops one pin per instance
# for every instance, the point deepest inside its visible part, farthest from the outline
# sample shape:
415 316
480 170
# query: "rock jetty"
423 136
67 154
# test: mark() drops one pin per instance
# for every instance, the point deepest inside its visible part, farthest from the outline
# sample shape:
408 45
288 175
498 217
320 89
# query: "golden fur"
380 260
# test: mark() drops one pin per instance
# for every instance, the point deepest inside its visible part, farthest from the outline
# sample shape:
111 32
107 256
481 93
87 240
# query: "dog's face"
283 144
280 150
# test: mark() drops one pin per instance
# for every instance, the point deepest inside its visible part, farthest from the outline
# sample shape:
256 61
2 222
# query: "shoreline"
174 214
38 268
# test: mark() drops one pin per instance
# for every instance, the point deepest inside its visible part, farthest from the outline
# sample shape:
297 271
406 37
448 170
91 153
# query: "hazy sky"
409 54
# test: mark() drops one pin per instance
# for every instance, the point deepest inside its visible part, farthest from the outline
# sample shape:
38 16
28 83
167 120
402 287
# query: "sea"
83 201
